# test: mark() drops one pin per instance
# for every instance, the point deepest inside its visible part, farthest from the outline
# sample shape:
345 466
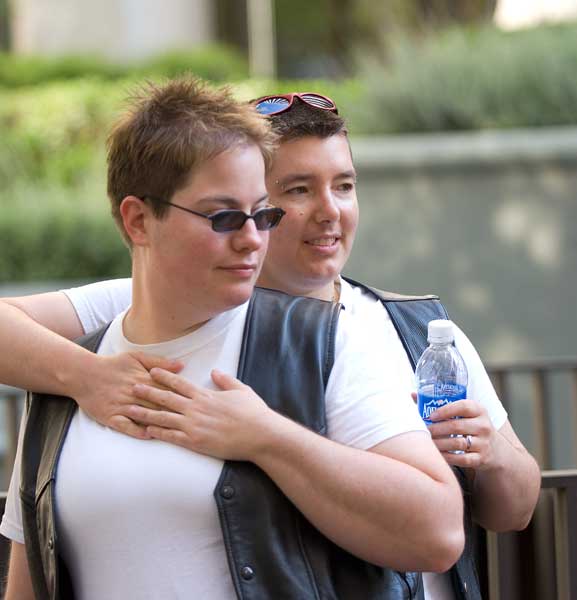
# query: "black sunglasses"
233 220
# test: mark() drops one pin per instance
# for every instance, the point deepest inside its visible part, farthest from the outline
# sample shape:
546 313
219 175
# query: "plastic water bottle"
441 373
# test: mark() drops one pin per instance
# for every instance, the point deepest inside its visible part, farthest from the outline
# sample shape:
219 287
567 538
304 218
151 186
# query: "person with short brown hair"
306 483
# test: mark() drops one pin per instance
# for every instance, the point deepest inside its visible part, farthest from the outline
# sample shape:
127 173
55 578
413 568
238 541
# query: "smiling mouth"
324 241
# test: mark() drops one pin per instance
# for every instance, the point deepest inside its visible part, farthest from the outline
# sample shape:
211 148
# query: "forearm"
378 508
505 492
19 585
33 357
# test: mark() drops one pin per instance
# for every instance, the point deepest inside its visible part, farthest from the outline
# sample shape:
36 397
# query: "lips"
240 267
325 240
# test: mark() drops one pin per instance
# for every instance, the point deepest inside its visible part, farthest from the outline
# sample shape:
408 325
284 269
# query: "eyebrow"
351 174
226 201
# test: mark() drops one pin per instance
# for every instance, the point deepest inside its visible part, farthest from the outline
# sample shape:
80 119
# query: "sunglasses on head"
233 220
273 105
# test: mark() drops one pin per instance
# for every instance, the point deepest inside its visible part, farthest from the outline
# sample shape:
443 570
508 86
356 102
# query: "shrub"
215 62
60 245
473 79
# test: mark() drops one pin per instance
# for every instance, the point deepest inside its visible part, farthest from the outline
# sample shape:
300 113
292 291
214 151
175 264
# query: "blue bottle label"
433 397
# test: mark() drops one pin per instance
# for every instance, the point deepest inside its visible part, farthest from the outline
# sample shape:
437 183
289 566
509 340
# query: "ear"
135 214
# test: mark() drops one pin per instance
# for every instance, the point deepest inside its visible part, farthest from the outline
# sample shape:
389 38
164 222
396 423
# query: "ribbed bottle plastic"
441 373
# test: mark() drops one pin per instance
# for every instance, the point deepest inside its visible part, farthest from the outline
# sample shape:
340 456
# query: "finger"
175 382
459 408
143 402
468 460
171 436
124 425
225 381
414 397
454 427
161 398
159 418
151 361
451 444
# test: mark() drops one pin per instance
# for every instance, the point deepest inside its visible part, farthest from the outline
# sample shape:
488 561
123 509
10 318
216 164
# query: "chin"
235 297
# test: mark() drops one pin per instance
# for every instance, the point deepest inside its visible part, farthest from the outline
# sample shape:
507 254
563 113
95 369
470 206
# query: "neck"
155 316
326 292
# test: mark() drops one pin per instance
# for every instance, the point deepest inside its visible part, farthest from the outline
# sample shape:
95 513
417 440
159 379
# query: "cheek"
350 219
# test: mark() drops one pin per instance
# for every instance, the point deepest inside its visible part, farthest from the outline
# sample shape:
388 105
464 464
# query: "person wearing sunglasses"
302 478
312 179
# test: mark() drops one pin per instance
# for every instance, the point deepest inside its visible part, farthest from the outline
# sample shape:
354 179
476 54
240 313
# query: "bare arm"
505 477
19 582
506 490
35 356
396 505
34 353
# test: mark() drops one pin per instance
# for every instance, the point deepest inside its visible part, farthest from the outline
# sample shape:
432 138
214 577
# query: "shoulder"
386 295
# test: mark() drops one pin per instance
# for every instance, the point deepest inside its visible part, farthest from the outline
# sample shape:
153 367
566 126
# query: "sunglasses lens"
267 218
271 106
228 220
233 220
319 101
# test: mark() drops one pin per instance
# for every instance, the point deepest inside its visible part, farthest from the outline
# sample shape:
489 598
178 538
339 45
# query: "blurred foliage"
328 37
50 132
215 63
61 244
55 221
475 79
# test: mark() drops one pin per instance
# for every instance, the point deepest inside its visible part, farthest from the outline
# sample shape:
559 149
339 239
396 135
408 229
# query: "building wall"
486 220
117 29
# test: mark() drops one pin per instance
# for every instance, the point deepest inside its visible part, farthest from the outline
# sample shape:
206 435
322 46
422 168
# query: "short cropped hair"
168 131
303 120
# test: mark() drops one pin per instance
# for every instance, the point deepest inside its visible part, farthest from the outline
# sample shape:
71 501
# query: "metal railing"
540 373
540 562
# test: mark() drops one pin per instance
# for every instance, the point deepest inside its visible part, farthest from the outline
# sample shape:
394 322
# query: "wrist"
79 370
274 434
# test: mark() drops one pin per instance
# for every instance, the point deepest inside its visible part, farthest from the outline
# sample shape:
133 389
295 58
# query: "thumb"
225 382
149 361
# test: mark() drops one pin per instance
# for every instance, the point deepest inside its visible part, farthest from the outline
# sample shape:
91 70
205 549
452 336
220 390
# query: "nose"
327 207
248 238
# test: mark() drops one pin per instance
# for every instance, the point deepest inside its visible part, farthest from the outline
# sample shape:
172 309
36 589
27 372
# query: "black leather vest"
410 316
273 551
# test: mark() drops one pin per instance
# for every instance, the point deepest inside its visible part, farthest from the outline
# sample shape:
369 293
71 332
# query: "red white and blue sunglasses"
279 103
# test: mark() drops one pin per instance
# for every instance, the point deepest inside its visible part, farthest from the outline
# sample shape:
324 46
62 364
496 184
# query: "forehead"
313 155
235 172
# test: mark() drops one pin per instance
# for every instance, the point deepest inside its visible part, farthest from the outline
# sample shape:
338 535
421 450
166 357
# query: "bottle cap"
440 332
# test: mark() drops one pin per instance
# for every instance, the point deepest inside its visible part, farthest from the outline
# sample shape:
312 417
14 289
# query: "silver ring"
469 443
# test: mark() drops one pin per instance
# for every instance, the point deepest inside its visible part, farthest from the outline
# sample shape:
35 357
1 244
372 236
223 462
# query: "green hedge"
213 62
61 245
476 79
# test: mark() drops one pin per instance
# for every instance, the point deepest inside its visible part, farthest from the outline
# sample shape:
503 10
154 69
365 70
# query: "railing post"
500 383
541 419
574 394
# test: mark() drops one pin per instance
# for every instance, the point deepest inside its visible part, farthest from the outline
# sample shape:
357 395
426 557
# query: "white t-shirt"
367 308
137 519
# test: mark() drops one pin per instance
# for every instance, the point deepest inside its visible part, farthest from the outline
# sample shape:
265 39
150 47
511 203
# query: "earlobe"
135 213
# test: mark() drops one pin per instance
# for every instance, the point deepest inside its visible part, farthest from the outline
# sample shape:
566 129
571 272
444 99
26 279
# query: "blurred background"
463 120
462 116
